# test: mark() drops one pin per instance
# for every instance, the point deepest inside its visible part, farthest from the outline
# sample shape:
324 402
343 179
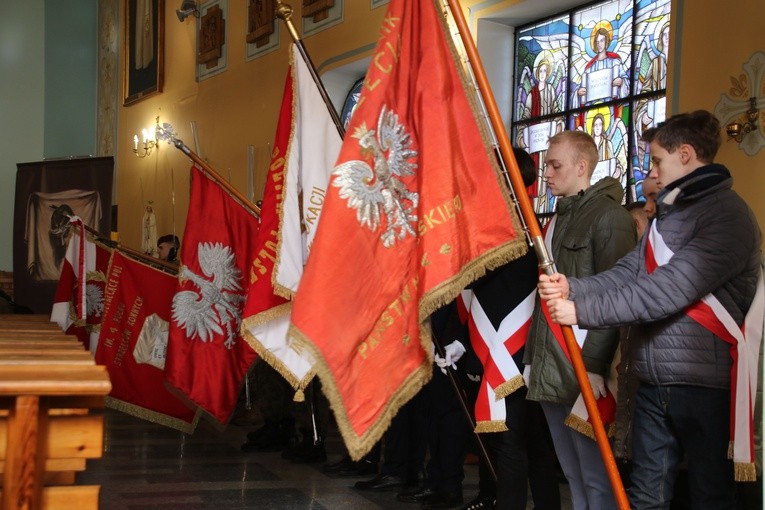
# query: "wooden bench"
48 384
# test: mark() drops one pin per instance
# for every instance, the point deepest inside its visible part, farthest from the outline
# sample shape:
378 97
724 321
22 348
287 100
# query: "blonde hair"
584 148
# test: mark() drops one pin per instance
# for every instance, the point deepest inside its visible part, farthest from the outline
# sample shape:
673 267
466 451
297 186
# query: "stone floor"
147 466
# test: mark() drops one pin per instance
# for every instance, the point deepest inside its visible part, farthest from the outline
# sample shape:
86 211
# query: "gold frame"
138 84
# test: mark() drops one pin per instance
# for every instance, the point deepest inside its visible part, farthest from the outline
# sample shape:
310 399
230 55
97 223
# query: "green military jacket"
592 231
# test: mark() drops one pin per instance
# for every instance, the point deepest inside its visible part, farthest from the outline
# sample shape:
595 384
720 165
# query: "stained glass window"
601 68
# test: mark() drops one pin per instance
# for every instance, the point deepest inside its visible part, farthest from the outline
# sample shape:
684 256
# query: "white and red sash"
579 418
495 348
744 349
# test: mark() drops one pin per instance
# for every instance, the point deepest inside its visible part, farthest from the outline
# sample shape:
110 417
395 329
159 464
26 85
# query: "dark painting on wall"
47 193
143 58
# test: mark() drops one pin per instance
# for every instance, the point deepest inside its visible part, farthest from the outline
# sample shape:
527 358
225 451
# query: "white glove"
526 374
598 385
452 353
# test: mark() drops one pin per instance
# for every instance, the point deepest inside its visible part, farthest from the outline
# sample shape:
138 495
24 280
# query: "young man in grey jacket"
703 247
588 234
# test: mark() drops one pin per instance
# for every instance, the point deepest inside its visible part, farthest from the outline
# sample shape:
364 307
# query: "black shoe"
443 500
360 468
332 468
480 503
415 496
380 482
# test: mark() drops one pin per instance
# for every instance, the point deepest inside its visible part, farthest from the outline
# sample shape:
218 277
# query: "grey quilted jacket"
716 243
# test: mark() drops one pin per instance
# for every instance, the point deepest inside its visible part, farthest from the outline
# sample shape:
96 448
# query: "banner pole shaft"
461 397
284 12
545 259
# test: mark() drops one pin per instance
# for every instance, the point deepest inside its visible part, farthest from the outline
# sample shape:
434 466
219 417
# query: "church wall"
715 43
232 110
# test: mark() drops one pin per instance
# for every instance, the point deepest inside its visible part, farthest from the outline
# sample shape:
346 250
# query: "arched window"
601 68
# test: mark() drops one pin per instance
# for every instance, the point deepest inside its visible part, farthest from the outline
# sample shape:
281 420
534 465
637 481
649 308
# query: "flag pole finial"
284 12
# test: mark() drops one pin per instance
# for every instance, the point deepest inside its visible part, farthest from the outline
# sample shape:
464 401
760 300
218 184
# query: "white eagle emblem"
94 299
218 303
372 189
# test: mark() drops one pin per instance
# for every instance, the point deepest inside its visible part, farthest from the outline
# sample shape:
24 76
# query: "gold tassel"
299 396
744 472
580 425
490 426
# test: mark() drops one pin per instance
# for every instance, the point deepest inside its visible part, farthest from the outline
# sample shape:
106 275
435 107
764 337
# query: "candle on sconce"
135 142
145 136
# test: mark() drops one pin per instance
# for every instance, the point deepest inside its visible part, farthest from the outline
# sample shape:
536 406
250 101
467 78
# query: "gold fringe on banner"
490 426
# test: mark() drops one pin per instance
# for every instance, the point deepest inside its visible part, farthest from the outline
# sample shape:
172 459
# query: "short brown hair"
583 145
699 129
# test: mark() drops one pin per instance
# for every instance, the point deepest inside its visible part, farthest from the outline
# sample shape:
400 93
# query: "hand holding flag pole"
167 133
545 260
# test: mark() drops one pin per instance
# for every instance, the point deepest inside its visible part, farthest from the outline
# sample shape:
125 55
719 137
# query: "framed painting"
143 54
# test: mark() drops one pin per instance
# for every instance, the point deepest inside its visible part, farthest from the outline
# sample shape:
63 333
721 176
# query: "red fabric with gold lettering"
133 292
362 307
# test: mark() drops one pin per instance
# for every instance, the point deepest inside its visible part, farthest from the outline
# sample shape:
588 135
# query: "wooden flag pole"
284 12
135 254
545 259
165 132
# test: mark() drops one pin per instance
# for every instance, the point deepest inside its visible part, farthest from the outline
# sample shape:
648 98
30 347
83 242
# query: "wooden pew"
48 384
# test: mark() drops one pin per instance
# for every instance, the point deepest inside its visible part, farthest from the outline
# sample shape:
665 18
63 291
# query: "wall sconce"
149 141
188 7
740 109
736 130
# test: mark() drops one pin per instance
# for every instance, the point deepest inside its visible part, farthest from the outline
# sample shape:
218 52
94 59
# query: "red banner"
82 278
133 340
207 359
416 210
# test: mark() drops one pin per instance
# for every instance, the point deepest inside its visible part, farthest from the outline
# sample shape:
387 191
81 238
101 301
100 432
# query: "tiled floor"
147 466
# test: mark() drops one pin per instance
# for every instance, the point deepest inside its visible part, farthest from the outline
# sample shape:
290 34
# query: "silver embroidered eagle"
217 304
379 189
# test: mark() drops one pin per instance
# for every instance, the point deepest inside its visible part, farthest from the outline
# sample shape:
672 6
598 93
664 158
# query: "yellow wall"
240 106
232 110
716 40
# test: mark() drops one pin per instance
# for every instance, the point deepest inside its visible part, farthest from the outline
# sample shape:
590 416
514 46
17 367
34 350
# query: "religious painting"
601 47
646 113
651 46
608 127
48 193
143 56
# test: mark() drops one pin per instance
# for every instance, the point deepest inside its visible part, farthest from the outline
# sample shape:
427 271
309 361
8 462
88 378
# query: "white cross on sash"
495 348
744 349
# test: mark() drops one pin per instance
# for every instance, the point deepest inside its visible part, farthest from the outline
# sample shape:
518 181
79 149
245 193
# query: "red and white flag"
498 311
306 146
416 210
207 359
78 303
133 342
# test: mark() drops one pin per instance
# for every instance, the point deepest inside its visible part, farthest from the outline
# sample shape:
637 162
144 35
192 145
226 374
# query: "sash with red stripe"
498 314
744 344
579 419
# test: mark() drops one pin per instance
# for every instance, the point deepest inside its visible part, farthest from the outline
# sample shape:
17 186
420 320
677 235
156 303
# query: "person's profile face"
561 170
164 250
666 166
